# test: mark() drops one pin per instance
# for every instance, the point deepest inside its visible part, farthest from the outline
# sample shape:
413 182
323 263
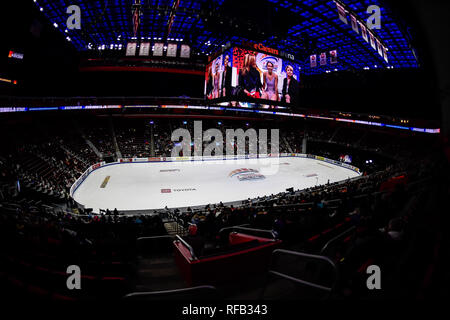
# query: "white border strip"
103 164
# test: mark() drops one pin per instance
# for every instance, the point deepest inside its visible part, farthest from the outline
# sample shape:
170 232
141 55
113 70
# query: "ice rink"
154 185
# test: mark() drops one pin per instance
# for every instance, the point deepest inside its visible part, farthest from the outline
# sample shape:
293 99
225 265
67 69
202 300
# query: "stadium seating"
245 255
42 231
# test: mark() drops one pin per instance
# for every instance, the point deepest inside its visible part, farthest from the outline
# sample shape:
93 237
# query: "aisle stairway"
159 273
114 138
174 228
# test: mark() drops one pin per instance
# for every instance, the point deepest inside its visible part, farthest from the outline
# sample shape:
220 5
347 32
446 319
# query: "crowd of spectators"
38 244
101 138
133 141
51 165
381 204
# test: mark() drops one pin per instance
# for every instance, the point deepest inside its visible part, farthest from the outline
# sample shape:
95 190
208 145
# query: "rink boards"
154 183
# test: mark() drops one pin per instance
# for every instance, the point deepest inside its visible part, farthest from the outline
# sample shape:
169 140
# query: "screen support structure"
173 12
136 9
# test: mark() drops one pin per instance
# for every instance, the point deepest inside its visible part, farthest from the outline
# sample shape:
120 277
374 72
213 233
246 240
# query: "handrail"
187 245
154 237
168 292
337 238
249 229
300 281
226 228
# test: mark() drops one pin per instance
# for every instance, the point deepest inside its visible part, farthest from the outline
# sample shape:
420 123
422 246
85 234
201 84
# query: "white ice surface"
137 186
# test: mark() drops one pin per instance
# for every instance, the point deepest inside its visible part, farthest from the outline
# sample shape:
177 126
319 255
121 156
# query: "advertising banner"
354 24
323 59
372 41
385 54
364 32
96 166
172 50
158 49
380 48
313 60
131 49
144 49
333 57
185 51
342 13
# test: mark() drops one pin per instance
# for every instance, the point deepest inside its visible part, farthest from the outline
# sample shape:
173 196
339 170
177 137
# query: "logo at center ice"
244 174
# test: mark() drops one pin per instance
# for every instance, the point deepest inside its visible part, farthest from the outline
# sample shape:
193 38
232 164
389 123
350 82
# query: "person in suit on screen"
290 87
226 77
216 82
209 84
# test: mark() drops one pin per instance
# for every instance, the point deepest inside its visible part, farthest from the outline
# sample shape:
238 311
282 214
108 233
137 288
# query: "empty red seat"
226 267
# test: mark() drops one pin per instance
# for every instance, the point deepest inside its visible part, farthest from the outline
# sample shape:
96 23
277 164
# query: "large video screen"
244 75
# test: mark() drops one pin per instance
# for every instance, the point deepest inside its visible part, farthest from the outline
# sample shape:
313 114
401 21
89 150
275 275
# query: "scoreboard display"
244 73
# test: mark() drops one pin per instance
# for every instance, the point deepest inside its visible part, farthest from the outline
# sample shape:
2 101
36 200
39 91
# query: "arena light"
5 80
378 124
432 130
141 106
345 120
401 54
14 82
265 112
397 127
319 117
43 108
198 107
235 109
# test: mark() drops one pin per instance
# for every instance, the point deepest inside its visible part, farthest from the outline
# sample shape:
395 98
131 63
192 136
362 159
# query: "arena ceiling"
299 27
